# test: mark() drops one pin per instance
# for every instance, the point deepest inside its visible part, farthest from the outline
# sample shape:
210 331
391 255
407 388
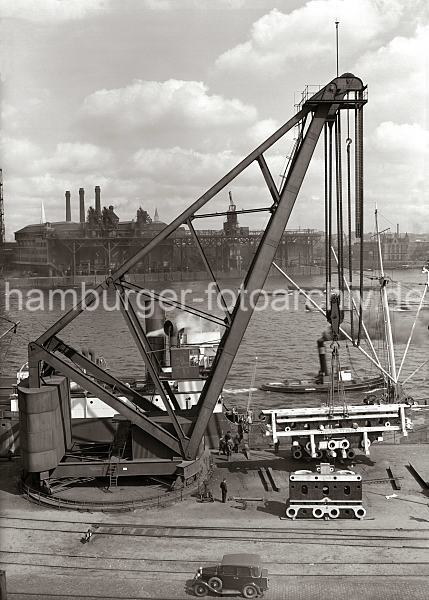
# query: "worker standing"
246 450
224 489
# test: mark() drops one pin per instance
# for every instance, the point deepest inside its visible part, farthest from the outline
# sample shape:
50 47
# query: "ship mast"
386 313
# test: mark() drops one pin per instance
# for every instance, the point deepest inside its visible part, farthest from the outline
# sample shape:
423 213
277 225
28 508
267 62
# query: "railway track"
42 553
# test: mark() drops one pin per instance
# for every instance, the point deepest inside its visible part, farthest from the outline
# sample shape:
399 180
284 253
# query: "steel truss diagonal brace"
209 269
268 178
129 410
255 279
145 350
91 369
167 301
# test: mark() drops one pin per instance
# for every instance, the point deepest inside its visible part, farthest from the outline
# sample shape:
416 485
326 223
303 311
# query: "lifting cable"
339 195
327 241
349 227
336 388
359 202
329 230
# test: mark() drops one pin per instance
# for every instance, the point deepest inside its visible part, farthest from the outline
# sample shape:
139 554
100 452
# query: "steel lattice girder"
322 107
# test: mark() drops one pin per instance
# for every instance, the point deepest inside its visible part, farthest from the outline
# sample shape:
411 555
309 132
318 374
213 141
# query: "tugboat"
321 383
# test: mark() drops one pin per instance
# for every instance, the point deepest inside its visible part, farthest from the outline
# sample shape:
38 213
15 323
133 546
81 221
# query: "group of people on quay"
229 444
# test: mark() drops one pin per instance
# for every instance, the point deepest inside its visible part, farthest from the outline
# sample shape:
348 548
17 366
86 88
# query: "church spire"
156 216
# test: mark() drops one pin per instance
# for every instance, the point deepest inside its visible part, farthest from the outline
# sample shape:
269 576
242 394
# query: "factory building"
100 242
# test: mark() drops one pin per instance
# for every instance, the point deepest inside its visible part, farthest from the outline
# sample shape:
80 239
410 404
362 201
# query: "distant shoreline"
144 278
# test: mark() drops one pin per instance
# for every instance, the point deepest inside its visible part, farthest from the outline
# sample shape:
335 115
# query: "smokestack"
81 205
97 200
68 207
397 229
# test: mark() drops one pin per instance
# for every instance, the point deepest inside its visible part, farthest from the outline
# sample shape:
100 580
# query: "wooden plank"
420 469
393 479
271 479
263 479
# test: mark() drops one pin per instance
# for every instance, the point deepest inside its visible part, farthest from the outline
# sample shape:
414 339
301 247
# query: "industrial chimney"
97 200
81 205
68 207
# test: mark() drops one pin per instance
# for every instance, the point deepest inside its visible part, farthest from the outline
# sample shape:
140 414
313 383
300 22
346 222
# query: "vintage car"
237 573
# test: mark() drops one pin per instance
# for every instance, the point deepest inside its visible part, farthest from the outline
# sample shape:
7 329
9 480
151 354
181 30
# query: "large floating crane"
317 113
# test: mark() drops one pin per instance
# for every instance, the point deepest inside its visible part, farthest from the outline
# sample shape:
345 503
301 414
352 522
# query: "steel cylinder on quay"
45 428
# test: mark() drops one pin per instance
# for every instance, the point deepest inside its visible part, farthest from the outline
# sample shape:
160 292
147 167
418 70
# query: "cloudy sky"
155 100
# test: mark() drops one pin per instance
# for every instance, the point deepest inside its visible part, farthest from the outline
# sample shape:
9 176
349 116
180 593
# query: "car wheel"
250 591
200 590
215 583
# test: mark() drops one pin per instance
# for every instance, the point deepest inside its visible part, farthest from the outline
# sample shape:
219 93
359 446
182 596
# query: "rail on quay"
159 500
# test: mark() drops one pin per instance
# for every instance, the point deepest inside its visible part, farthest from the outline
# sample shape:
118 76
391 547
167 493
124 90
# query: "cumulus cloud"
149 142
144 105
197 4
184 166
76 158
21 155
49 10
396 74
278 39
402 142
18 155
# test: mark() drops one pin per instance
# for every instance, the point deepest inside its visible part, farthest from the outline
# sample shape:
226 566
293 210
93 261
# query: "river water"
277 345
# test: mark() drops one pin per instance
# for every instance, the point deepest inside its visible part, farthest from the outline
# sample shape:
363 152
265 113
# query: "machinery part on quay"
338 430
334 512
326 493
295 511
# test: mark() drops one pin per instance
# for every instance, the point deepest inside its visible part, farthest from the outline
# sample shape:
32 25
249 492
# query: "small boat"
322 382
308 386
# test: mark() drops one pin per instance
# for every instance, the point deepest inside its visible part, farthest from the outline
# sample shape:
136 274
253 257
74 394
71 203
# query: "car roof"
247 560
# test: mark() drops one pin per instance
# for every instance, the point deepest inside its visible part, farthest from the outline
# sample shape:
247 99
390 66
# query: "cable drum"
318 513
345 444
332 444
297 453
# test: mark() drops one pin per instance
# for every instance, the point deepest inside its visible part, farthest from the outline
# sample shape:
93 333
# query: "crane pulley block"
335 315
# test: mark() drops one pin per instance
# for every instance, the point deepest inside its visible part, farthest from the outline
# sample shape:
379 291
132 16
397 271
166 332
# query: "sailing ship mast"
386 312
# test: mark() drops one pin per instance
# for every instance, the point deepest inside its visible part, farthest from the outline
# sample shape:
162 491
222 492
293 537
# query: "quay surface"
154 553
